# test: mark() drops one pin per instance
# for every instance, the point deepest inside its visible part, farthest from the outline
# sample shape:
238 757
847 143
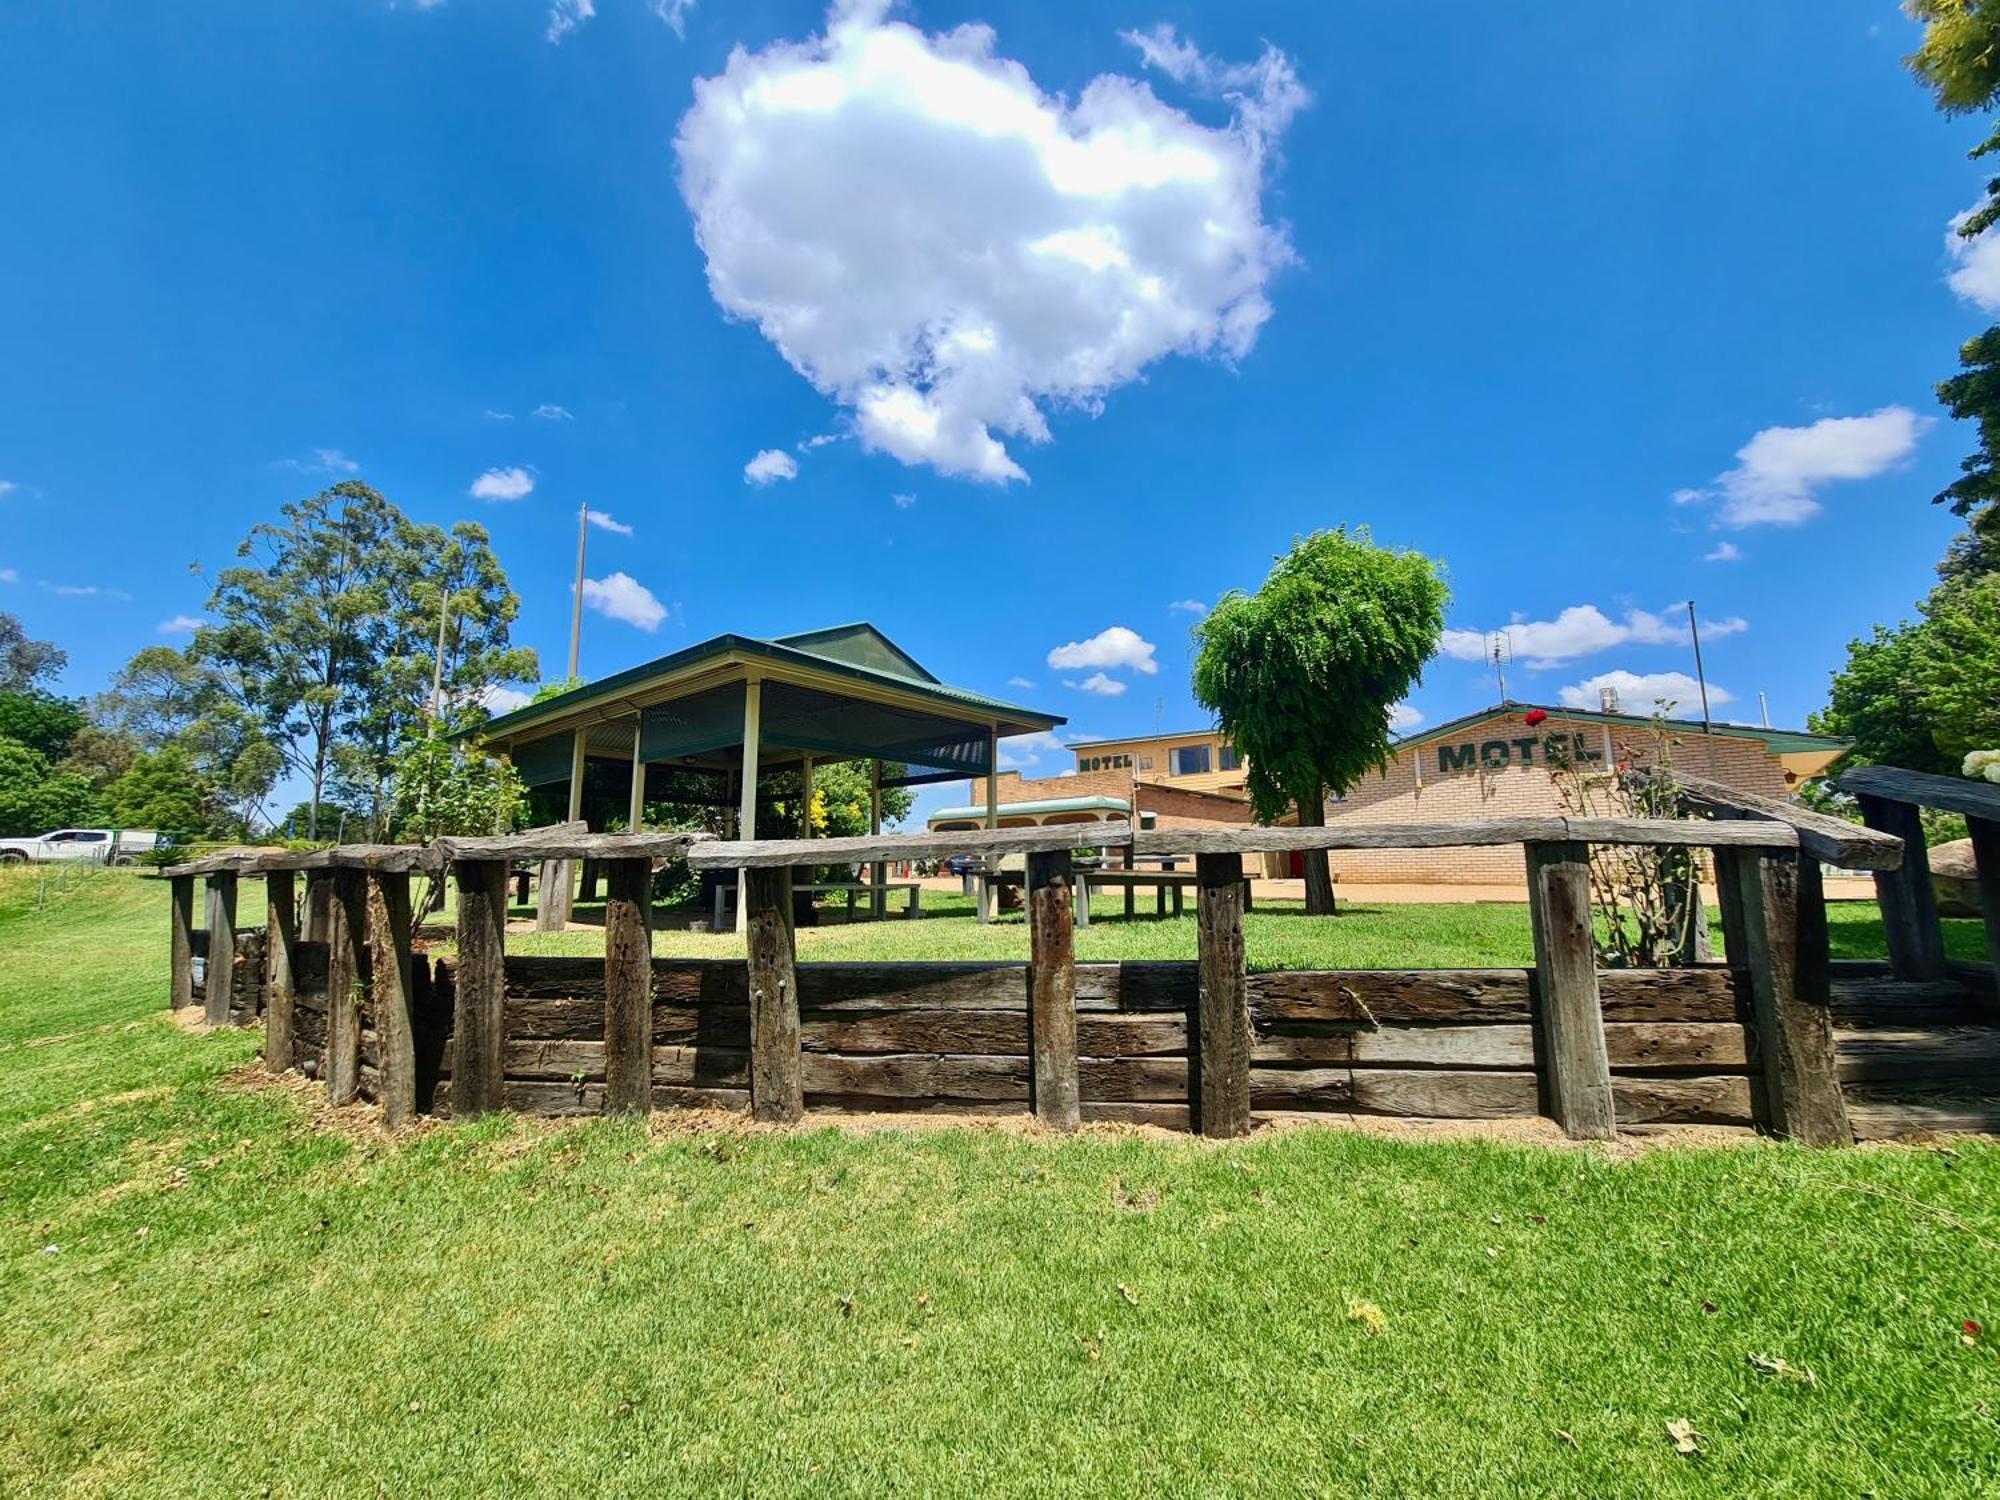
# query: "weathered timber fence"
1208 1045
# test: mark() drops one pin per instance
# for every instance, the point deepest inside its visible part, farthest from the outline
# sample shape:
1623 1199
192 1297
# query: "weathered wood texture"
347 980
1783 916
628 986
281 935
1986 853
220 974
776 1089
180 932
1908 902
776 853
1051 903
1975 799
479 988
1255 839
1572 1028
1222 1052
392 997
555 894
1834 841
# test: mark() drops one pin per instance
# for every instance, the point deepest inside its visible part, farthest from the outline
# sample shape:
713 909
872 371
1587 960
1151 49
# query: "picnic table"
725 892
1165 884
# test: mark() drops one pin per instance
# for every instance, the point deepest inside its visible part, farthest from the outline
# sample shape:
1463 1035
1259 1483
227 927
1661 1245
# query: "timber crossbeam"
563 841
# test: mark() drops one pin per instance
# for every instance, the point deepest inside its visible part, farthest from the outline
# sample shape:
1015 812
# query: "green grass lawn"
203 1291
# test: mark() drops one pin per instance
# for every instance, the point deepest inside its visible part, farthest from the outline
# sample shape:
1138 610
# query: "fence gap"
1571 1023
1221 1055
1052 1068
628 985
777 1090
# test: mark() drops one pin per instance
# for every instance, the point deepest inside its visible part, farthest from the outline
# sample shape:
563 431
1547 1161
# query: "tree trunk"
1319 876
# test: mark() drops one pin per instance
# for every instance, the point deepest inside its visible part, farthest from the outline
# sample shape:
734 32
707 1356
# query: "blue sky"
1501 284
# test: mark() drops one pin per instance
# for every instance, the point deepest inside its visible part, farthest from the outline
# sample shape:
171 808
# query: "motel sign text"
1498 755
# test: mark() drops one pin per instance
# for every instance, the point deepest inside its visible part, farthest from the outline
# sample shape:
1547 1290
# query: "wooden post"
480 1006
806 798
281 933
180 984
317 925
221 969
1572 1025
635 807
552 910
1052 1071
1986 853
1222 1021
993 776
1909 905
394 1001
878 873
746 810
589 879
628 986
347 976
777 1091
1783 915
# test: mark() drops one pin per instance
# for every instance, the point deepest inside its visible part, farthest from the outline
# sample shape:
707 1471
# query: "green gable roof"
1779 741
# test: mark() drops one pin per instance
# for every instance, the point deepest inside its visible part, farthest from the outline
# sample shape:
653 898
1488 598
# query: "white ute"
103 846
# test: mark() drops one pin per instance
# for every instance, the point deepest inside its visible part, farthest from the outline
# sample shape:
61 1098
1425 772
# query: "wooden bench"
725 892
1166 885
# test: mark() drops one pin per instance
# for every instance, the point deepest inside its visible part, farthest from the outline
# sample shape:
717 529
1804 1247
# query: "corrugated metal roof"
1050 805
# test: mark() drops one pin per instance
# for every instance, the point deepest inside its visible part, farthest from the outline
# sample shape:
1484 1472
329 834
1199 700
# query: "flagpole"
576 599
1701 677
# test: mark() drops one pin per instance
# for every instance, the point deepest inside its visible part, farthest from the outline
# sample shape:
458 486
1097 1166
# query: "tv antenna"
1500 651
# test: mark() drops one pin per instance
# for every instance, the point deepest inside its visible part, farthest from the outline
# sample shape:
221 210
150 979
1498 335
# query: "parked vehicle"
104 846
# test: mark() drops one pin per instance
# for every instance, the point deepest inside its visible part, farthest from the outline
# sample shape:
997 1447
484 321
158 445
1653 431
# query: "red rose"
1534 716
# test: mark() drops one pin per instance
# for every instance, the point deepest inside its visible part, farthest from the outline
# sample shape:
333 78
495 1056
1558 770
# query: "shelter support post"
878 872
635 809
992 776
552 911
746 810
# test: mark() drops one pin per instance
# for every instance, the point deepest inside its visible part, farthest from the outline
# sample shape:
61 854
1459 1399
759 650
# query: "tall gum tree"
1301 675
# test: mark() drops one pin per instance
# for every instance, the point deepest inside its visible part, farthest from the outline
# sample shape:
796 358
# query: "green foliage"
442 788
1301 675
43 722
556 689
25 662
166 698
164 791
35 798
1973 395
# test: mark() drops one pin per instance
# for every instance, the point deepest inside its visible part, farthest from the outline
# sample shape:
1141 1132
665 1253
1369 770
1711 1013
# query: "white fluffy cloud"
1019 682
1099 683
1402 717
904 502
1639 691
548 411
770 465
1021 751
1781 470
502 484
181 625
623 597
604 521
1188 607
943 248
1583 630
566 15
9 575
1114 646
7 487
674 13
1975 272
323 461
503 700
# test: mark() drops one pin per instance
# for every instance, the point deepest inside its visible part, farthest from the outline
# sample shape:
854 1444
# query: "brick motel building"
1489 764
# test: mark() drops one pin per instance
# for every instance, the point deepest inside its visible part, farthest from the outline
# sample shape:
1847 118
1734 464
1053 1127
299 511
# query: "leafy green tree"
24 661
43 722
165 791
165 697
1301 675
34 797
325 635
99 755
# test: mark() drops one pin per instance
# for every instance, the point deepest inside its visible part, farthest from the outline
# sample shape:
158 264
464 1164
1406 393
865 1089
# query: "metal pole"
1763 708
576 603
437 667
1707 725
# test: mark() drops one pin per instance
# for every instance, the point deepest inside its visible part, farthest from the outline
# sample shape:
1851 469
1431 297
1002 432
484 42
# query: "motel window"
1145 762
1230 760
1189 760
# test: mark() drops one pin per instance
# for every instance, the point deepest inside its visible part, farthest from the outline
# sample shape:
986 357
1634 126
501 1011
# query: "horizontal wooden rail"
562 841
1555 830
765 854
1975 799
1833 841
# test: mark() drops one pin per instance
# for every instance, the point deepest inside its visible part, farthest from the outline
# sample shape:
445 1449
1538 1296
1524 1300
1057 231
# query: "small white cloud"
674 13
1723 552
1638 692
603 521
1580 630
323 461
818 440
1098 683
9 575
904 502
548 411
623 597
85 591
1402 717
498 416
503 700
1188 607
1781 470
7 487
1115 646
1689 496
502 484
1019 682
771 465
1021 751
566 15
1975 273
1266 93
181 625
